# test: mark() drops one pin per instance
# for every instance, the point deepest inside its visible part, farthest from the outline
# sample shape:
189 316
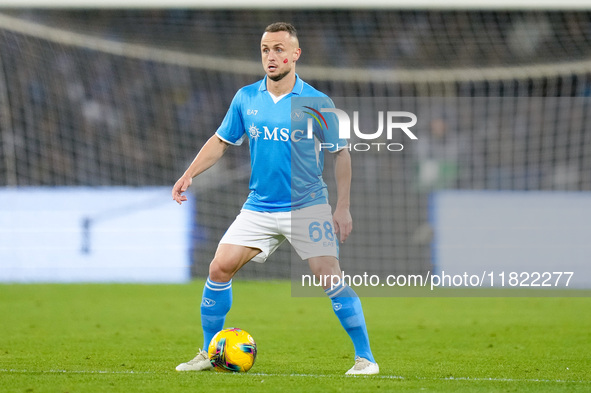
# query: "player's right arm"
209 154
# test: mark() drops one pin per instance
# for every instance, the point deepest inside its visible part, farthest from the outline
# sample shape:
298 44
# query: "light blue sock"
347 307
215 304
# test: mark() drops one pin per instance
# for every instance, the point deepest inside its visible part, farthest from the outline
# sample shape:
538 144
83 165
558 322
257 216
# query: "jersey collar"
298 87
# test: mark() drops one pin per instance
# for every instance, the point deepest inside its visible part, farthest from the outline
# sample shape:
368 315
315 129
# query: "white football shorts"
310 231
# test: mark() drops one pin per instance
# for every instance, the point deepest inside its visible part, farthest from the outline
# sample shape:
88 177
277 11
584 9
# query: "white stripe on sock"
332 292
218 289
218 286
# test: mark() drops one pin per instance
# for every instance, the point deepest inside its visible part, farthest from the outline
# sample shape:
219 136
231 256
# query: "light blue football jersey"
286 164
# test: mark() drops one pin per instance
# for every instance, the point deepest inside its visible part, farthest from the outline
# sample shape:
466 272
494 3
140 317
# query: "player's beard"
280 76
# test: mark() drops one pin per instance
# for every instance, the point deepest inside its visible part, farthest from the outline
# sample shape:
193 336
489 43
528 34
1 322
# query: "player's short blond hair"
282 26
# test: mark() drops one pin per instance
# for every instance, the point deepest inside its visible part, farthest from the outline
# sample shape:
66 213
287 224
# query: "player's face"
279 52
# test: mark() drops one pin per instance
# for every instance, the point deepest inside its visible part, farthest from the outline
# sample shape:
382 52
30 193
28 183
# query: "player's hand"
180 187
343 223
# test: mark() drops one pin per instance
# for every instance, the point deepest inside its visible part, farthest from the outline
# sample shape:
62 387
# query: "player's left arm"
342 220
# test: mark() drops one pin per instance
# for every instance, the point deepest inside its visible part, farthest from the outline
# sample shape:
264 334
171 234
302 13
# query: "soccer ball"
232 350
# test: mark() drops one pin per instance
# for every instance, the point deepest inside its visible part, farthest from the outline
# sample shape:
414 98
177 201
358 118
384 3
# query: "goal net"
127 97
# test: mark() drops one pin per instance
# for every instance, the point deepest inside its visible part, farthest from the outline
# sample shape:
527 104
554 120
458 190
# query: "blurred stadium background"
126 97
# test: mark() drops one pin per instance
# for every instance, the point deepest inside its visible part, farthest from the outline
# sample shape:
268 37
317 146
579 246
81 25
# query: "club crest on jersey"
297 115
253 131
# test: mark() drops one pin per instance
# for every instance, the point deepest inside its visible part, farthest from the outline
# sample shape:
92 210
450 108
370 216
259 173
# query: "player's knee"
325 266
220 271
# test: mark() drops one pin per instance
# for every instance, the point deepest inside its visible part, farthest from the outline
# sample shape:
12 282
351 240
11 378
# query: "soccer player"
286 182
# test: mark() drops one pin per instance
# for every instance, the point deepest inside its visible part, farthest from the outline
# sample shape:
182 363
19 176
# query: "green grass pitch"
129 338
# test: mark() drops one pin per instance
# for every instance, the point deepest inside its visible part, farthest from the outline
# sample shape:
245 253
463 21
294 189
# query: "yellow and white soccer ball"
232 350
